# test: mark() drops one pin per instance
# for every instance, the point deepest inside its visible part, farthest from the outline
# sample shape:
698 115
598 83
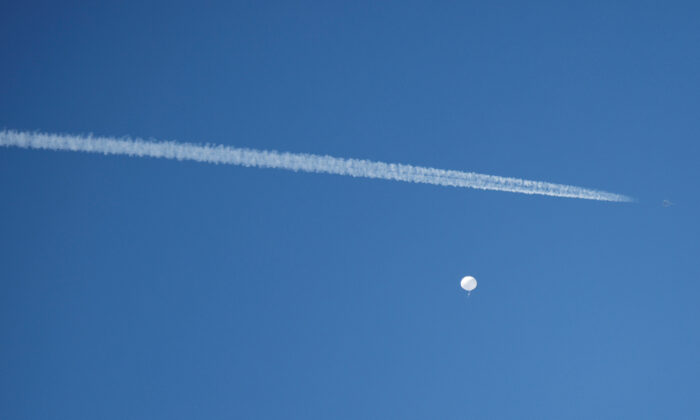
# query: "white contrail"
296 162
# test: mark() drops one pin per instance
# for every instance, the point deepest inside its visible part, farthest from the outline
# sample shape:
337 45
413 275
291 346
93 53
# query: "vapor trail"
296 162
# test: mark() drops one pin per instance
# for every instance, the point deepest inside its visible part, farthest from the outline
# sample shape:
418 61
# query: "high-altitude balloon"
468 283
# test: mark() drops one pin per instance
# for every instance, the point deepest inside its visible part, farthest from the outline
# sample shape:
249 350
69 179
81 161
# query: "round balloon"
468 283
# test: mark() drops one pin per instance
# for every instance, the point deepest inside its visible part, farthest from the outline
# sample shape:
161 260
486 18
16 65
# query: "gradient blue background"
155 289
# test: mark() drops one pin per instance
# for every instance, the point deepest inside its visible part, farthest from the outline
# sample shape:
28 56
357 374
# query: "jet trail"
221 154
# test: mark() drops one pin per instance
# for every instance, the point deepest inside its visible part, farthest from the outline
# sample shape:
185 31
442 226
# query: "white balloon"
468 283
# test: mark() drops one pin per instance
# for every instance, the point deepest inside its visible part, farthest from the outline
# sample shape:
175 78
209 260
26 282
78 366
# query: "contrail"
296 162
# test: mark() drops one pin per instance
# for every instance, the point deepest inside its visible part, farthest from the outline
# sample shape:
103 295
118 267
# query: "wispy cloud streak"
220 154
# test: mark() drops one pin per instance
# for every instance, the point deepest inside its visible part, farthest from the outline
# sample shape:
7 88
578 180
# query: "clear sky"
155 289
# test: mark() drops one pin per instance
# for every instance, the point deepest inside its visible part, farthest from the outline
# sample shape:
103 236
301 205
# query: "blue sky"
144 288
